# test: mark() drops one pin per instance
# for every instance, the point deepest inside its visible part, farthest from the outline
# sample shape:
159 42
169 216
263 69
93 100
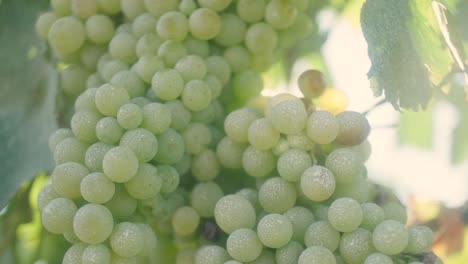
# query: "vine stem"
376 105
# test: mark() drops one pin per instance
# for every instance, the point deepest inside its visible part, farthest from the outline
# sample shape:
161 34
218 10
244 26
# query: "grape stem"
376 105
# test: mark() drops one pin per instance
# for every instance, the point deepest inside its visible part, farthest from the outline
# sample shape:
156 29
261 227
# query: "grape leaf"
27 97
408 51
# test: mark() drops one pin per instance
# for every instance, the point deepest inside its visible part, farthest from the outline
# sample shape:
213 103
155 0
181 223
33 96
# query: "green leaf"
416 129
407 48
27 97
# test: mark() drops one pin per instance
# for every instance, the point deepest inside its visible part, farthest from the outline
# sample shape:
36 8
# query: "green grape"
73 80
110 7
67 35
292 164
246 84
390 237
363 150
127 239
93 223
204 197
345 165
130 81
132 8
181 117
122 205
196 95
124 28
322 127
232 262
61 7
316 255
57 215
300 141
83 126
244 245
345 214
216 5
44 22
219 67
289 117
84 8
93 82
261 39
207 115
420 238
110 98
196 137
354 128
122 47
289 254
232 30
312 82
74 254
116 259
97 188
69 150
251 11
211 255
185 221
275 230
378 258
129 116
148 44
108 130
140 101
147 66
204 23
66 179
301 218
170 147
237 123
395 211
197 46
280 14
173 25
357 189
275 100
262 135
317 183
142 142
233 212
170 178
356 246
96 254
150 239
90 54
183 165
205 165
191 67
111 68
258 163
251 195
120 164
230 153
156 118
99 29
187 6
372 215
167 84
146 183
320 211
321 233
237 57
277 195
172 51
267 257
45 195
160 7
281 147
143 24
58 136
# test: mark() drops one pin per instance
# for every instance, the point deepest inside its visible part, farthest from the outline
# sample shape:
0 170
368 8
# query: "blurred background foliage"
417 50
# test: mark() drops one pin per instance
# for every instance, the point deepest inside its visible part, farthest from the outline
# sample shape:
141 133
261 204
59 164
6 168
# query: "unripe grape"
354 128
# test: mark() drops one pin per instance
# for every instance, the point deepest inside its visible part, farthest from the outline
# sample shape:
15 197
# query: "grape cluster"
151 148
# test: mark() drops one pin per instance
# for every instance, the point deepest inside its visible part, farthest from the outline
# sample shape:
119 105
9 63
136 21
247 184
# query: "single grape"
66 179
419 240
57 215
301 218
311 83
390 237
230 153
67 35
173 25
93 223
211 254
127 239
317 183
233 212
168 84
262 135
99 29
277 195
146 183
322 127
345 165
378 258
96 254
74 254
345 214
142 142
120 164
321 233
185 221
204 197
258 163
244 245
354 128
316 255
204 23
356 246
289 254
97 188
292 164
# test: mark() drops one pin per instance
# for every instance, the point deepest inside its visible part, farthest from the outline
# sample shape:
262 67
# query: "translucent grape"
233 212
277 195
93 223
110 98
289 254
83 126
419 240
44 23
66 179
127 239
354 128
219 67
275 230
147 66
321 233
191 67
57 215
130 81
108 130
237 57
96 254
345 165
120 164
262 135
170 147
73 80
300 141
230 153
316 255
99 29
204 197
187 6
292 164
122 47
345 214
301 218
145 184
356 246
122 205
142 142
97 188
322 127
74 254
357 189
311 83
204 23
156 118
67 35
258 163
205 165
173 25
167 84
110 7
185 221
280 14
196 95
111 68
237 123
132 8
372 215
395 211
390 237
244 245
148 45
172 51
84 8
261 39
232 30
159 7
251 11
378 258
211 255
289 117
57 136
196 137
181 117
317 183
69 150
170 178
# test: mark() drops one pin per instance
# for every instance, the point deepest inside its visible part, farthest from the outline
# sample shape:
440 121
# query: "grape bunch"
162 150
